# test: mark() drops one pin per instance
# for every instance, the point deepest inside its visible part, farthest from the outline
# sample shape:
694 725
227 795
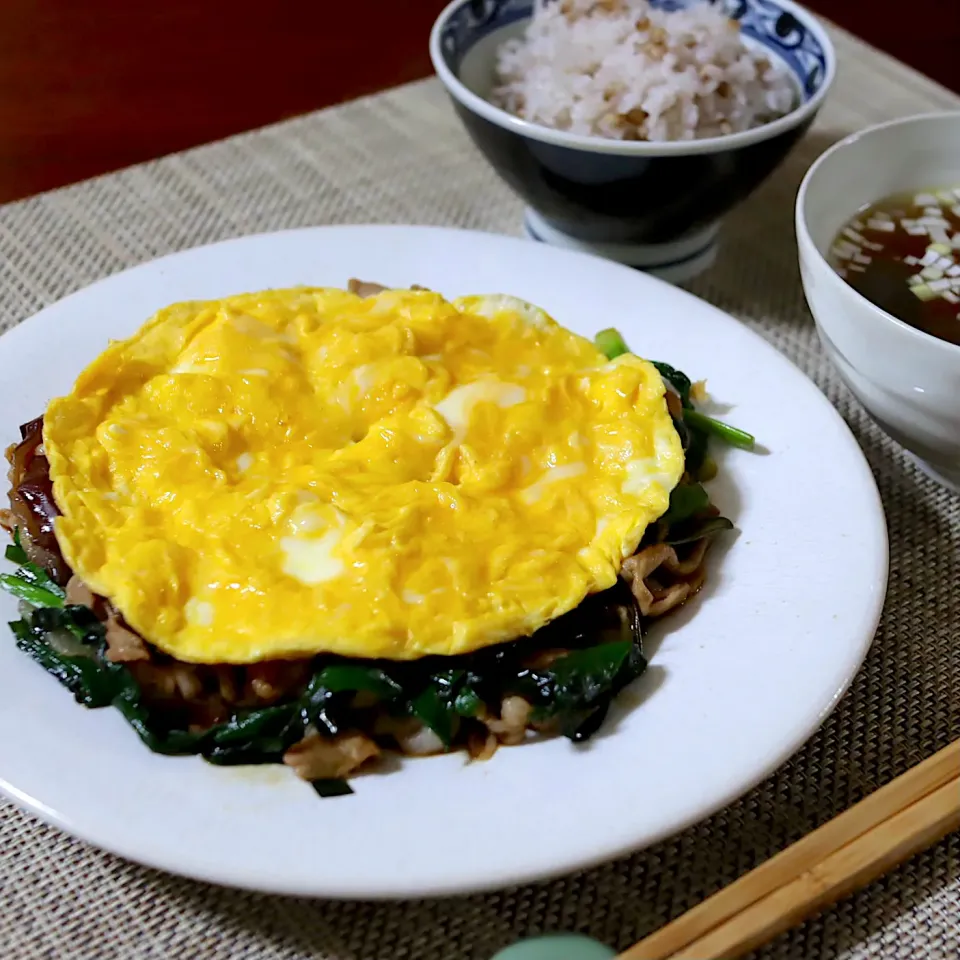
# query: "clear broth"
903 254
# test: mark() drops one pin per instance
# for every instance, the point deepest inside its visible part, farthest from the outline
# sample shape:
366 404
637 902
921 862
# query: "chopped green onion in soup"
903 254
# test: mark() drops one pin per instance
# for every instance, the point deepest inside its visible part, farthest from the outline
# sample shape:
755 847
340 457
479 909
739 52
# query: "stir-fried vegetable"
610 343
686 500
30 583
15 552
568 672
23 589
676 379
602 637
732 435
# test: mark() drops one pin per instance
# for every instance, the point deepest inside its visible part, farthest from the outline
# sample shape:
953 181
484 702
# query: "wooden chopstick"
900 819
851 867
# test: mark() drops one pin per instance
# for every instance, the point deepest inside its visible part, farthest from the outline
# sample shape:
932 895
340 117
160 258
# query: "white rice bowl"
622 70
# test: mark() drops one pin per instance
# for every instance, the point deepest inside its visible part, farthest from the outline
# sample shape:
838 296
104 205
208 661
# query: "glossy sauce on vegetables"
903 254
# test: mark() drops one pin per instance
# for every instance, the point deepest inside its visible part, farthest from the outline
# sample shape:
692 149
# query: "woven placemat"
401 157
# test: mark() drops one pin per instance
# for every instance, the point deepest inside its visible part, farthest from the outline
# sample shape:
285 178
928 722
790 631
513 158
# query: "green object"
564 946
696 529
340 678
34 594
332 788
435 706
603 637
686 500
30 583
37 575
610 343
677 379
732 435
15 552
707 470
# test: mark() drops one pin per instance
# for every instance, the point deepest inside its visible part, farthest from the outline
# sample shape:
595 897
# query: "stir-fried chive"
332 788
39 577
81 675
696 529
467 703
577 690
695 448
686 499
707 470
717 428
603 637
15 552
436 705
584 676
434 712
347 677
676 379
33 594
321 707
31 582
610 343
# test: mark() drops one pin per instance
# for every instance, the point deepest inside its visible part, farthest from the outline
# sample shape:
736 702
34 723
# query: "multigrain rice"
623 70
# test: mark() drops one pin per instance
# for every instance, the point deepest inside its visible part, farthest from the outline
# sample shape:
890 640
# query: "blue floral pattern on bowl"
764 21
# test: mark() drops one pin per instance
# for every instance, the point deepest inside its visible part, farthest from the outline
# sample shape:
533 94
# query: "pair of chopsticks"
906 816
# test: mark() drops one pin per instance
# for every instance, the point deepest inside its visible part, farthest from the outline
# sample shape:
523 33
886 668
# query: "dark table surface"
90 87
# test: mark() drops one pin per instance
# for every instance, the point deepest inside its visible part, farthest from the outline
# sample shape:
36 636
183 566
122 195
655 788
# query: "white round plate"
737 682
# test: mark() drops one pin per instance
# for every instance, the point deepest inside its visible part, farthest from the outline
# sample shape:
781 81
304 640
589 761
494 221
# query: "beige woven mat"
401 157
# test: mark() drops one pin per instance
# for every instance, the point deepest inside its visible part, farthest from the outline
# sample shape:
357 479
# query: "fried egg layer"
292 472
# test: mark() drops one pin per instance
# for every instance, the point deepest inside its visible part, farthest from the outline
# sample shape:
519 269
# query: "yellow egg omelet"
292 472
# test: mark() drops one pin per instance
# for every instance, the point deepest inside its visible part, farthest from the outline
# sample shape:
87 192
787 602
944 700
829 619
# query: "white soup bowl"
908 380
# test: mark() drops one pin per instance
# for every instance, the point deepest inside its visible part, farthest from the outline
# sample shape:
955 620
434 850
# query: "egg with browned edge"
293 472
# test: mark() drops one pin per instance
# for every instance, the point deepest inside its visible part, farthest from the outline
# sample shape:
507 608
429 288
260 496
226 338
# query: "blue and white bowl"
656 206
